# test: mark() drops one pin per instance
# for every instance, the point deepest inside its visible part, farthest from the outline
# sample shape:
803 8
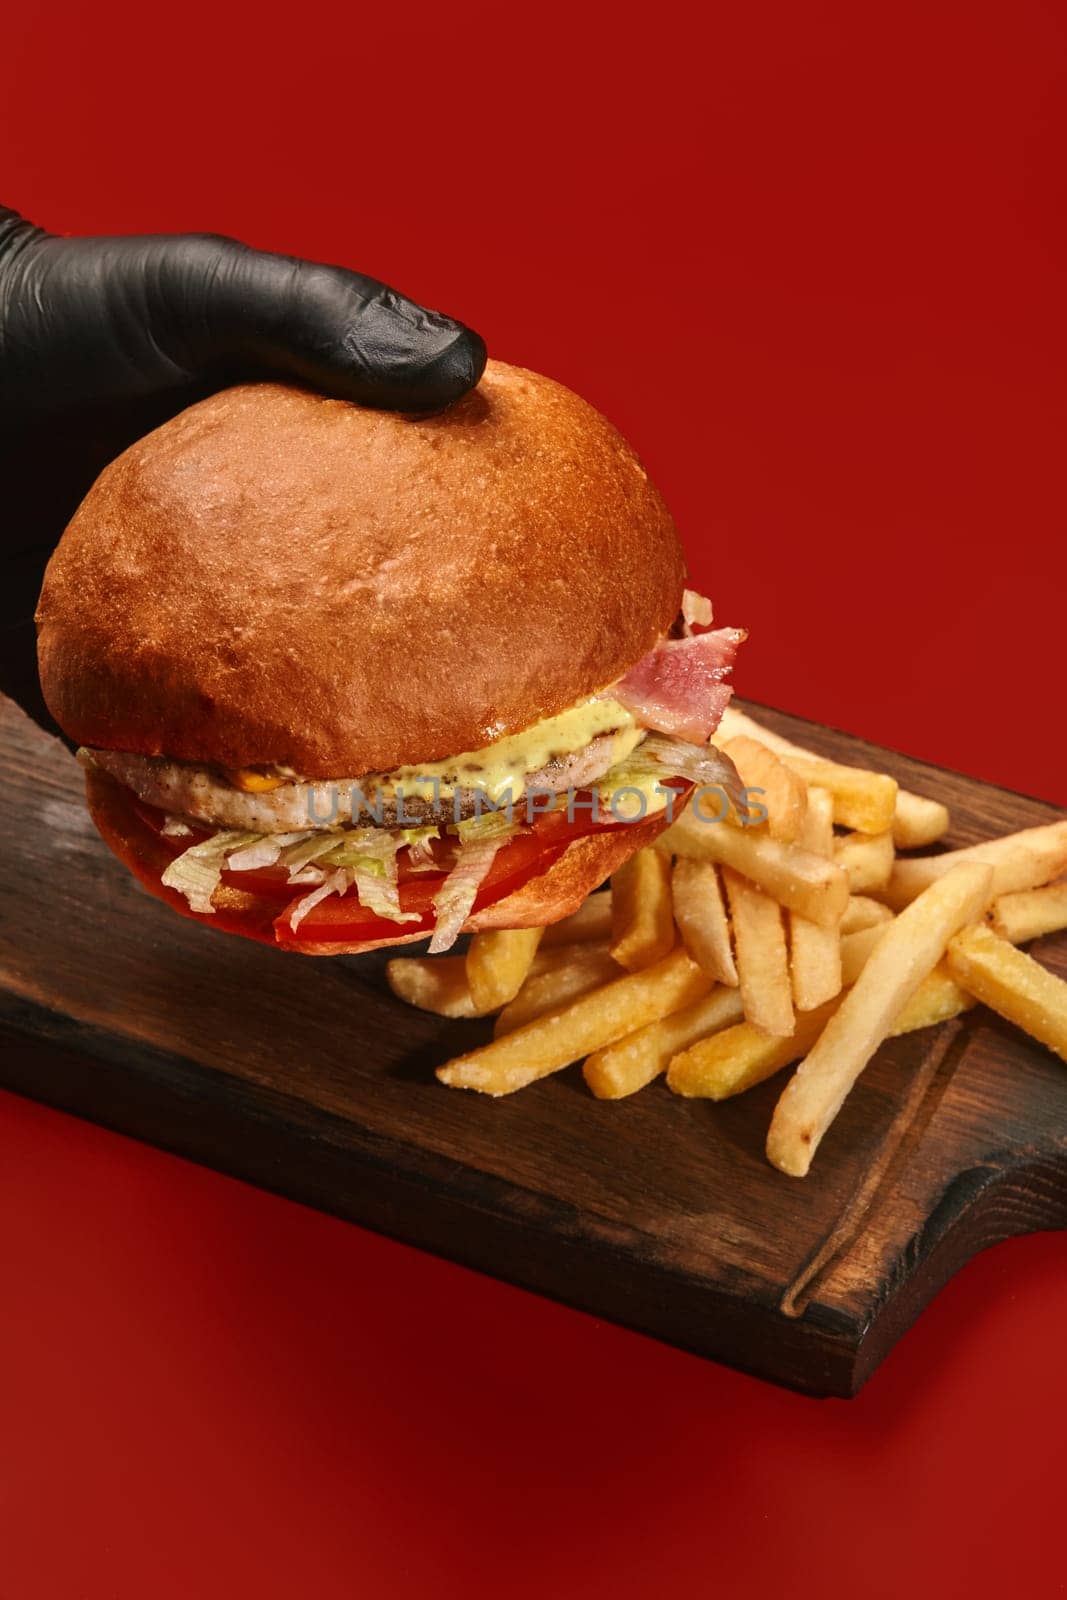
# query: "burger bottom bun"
541 900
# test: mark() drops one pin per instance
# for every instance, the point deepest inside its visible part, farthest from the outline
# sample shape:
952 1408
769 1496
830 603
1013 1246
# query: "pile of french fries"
731 950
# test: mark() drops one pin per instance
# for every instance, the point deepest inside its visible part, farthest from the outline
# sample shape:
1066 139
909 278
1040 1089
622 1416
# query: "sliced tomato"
155 819
271 882
341 919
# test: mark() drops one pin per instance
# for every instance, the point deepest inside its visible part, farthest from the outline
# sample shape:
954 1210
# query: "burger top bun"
276 577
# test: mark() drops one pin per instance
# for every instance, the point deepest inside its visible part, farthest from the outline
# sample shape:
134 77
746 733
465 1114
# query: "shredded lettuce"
332 862
376 886
264 852
369 856
418 841
453 901
361 844
489 825
299 857
196 873
335 882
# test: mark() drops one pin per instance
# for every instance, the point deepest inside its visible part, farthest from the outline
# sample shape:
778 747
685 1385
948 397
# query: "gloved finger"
214 303
102 320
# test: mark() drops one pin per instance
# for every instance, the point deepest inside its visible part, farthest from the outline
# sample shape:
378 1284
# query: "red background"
811 258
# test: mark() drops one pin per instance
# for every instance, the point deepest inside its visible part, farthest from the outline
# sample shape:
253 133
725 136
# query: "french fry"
907 951
815 952
592 920
439 983
797 879
1030 913
1011 983
742 1056
1019 860
562 955
642 927
856 948
862 800
587 1024
498 964
762 958
738 1058
433 983
589 967
862 912
918 821
700 914
858 803
624 1063
867 858
784 793
937 998
746 1055
622 1068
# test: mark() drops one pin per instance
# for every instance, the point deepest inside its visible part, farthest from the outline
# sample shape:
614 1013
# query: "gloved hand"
103 339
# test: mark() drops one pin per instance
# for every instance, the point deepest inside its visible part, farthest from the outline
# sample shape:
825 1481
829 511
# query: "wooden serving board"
307 1077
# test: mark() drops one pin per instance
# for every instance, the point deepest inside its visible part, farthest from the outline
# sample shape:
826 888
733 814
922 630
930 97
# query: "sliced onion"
698 763
696 609
419 843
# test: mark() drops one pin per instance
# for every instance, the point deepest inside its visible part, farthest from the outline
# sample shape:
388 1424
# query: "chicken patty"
205 795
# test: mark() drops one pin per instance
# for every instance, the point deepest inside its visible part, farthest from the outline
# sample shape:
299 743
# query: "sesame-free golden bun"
274 577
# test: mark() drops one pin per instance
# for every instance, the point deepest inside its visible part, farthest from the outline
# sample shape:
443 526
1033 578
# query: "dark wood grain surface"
307 1077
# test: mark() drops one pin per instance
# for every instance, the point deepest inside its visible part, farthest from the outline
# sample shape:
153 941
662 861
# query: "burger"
344 679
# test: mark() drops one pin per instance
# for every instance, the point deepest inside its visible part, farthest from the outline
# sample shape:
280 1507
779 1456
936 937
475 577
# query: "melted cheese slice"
251 781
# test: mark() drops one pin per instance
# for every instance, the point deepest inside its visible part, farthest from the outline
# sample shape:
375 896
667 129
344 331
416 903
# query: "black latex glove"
103 339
